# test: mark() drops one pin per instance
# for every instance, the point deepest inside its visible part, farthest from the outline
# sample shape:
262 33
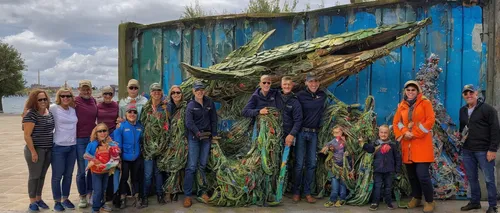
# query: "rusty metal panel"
150 61
172 42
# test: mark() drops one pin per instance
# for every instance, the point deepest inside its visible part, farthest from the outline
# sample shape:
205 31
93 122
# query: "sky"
70 40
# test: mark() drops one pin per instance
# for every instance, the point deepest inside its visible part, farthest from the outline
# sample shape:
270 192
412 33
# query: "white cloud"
100 67
38 53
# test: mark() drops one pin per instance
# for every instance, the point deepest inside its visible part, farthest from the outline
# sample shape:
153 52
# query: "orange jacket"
420 148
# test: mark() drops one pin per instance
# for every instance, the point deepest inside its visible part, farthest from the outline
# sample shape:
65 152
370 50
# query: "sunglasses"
133 111
108 93
176 93
266 82
66 96
156 90
43 100
102 130
468 92
133 88
411 90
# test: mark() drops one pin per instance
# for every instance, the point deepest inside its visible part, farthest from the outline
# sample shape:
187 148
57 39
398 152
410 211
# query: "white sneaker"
83 202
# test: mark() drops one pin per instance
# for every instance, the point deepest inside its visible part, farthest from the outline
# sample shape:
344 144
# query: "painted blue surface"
438 41
172 73
386 72
451 36
454 77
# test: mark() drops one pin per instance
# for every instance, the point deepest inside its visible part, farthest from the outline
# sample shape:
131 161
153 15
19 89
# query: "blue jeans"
385 179
63 163
83 182
305 148
471 162
99 184
198 151
150 168
338 188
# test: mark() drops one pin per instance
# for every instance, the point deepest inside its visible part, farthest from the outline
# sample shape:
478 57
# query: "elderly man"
261 99
312 100
86 111
480 132
291 111
134 98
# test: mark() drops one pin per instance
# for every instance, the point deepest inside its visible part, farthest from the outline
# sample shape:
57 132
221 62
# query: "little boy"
386 161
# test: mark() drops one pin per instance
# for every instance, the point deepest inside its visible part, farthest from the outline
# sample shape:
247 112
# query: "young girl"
103 155
386 161
336 146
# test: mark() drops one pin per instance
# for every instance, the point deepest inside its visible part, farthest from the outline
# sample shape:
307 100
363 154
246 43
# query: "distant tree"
271 6
193 11
11 67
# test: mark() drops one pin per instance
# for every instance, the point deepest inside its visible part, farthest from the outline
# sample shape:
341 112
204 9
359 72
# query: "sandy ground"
14 178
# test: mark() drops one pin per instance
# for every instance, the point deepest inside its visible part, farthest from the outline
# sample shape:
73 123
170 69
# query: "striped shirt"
43 132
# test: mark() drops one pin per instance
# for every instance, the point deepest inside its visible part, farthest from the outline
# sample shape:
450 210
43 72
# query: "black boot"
161 199
144 203
492 209
123 203
470 206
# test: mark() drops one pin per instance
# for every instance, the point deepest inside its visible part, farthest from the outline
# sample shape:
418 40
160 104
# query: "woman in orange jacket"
412 126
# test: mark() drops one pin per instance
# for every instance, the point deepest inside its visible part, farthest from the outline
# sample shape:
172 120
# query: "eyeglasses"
266 82
43 100
108 93
411 90
176 93
133 88
66 96
102 130
133 111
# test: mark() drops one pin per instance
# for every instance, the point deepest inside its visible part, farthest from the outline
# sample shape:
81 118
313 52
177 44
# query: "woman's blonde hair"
62 90
99 126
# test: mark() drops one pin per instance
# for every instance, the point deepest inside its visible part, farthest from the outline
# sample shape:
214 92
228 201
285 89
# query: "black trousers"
420 181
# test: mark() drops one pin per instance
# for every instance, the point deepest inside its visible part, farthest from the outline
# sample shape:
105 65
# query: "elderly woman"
412 125
107 112
154 117
64 150
38 124
176 112
129 136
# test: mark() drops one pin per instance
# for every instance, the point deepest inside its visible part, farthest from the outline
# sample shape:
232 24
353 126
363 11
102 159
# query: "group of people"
108 142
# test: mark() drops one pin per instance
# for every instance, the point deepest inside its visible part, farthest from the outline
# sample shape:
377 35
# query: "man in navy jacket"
312 100
291 111
262 98
201 125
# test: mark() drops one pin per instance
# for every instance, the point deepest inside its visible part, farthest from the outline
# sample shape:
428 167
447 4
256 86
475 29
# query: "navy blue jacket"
129 137
385 162
258 101
201 118
292 114
313 105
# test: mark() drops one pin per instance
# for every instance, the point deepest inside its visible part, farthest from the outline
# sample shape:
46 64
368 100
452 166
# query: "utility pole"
38 77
